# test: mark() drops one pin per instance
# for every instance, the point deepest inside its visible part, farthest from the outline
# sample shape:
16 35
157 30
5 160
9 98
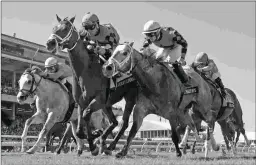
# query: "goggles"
89 25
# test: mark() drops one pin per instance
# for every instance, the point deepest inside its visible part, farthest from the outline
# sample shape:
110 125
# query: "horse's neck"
79 58
82 61
44 88
151 77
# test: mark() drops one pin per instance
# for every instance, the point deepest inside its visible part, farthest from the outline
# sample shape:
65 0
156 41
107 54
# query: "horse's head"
28 83
120 61
64 35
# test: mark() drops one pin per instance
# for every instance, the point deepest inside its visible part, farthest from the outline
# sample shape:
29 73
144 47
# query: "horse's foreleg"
210 140
193 148
237 136
108 111
37 118
79 132
185 137
245 136
48 141
125 123
79 141
47 126
139 113
90 138
175 137
63 139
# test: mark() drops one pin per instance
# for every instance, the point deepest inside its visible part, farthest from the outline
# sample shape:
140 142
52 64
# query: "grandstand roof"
29 44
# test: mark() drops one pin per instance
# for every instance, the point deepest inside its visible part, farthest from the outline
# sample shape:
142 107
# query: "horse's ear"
131 43
72 19
58 18
36 69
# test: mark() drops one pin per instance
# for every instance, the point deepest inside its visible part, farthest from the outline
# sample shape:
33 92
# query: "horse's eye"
29 81
125 53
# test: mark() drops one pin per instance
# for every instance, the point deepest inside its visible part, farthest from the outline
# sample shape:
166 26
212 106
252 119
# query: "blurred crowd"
18 125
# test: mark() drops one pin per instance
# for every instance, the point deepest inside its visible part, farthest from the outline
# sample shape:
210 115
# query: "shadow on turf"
225 158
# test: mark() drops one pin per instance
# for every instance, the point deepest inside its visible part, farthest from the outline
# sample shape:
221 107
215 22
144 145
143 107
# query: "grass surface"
215 158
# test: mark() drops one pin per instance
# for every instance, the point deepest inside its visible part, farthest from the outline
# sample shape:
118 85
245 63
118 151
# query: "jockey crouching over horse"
52 102
173 49
100 39
62 73
165 93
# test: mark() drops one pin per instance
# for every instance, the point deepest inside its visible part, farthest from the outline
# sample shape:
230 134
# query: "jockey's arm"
146 43
113 42
209 67
56 75
181 41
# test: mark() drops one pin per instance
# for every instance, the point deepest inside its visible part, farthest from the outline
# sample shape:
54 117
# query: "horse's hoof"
102 148
184 151
218 148
178 154
119 155
79 152
193 151
108 152
95 152
80 135
111 148
30 151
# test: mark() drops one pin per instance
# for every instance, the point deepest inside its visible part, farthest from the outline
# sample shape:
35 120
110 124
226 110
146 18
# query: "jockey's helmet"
51 64
152 30
201 58
90 22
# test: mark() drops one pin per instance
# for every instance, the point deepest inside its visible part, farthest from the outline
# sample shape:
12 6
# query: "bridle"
120 64
66 39
30 92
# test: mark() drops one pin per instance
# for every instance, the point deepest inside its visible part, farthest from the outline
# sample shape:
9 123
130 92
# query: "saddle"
68 88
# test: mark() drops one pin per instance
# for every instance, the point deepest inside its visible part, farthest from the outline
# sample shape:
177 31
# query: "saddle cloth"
121 80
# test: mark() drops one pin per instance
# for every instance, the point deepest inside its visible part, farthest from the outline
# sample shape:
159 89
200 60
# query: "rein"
30 92
66 39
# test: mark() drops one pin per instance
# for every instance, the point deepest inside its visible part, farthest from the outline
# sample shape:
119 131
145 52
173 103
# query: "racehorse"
52 104
90 85
231 124
164 94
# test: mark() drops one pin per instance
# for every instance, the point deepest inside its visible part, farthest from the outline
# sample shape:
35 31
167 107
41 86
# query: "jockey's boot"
69 87
222 88
181 74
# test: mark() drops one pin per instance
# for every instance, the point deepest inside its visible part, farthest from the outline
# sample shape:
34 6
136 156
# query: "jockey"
169 40
207 66
55 70
105 36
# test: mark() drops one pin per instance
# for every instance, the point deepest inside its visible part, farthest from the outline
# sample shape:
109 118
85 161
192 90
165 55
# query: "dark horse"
5 118
90 85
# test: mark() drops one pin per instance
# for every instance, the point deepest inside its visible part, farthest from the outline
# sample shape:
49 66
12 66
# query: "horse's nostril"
109 68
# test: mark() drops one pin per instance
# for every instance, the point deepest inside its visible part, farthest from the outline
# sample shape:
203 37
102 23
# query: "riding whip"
34 57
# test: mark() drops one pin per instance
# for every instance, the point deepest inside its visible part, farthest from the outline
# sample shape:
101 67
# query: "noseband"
66 39
30 92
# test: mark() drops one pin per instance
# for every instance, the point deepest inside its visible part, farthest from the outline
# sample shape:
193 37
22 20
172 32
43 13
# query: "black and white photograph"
128 82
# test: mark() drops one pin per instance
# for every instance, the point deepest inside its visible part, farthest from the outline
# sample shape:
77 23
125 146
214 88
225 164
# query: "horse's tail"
238 113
